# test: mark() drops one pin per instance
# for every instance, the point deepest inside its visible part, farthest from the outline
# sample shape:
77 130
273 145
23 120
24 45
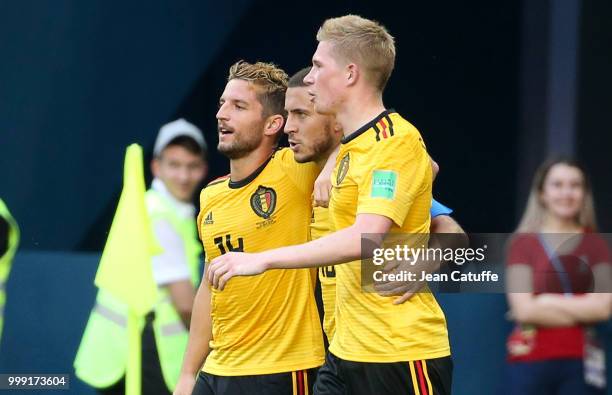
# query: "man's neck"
359 111
321 162
322 159
243 167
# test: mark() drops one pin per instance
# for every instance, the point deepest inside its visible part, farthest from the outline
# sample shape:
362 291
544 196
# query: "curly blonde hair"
270 80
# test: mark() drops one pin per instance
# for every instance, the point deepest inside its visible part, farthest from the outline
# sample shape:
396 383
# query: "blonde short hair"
364 42
270 80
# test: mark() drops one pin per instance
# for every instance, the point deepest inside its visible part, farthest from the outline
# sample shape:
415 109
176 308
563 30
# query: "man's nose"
222 113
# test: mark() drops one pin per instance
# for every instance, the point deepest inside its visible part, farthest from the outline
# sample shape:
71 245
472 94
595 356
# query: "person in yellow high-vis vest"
179 165
9 240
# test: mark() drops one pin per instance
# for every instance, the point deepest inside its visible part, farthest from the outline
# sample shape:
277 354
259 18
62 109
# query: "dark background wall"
82 80
594 139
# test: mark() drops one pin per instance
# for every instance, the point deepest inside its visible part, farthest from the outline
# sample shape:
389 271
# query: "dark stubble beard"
321 147
244 142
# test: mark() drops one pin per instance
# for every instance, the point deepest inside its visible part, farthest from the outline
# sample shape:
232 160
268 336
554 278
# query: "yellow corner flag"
125 268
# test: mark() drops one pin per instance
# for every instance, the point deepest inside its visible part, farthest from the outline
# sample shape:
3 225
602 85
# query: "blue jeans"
552 377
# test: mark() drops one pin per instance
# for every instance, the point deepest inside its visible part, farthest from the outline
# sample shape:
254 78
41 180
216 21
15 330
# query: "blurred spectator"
558 282
9 240
179 166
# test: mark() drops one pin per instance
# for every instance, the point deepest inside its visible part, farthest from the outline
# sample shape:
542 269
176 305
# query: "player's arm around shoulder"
446 225
323 185
386 198
338 247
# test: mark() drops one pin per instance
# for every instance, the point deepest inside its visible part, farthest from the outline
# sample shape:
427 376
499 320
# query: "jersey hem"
224 371
390 358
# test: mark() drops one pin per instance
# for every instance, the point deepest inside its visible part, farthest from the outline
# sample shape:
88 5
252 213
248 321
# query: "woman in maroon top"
555 262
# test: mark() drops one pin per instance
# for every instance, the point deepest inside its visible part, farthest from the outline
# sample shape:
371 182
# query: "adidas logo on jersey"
209 219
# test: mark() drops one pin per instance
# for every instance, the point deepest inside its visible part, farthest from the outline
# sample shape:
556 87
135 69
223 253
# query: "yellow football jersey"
267 323
320 227
383 168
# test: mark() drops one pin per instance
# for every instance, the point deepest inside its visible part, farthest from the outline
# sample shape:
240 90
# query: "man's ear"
353 73
274 124
337 127
155 167
435 168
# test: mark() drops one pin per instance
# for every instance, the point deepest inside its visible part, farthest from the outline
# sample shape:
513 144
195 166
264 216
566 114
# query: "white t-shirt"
171 265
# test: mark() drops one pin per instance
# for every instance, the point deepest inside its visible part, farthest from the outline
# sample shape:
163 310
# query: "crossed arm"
553 310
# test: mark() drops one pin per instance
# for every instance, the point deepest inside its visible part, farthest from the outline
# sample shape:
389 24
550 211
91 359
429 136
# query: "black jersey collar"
251 177
366 127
